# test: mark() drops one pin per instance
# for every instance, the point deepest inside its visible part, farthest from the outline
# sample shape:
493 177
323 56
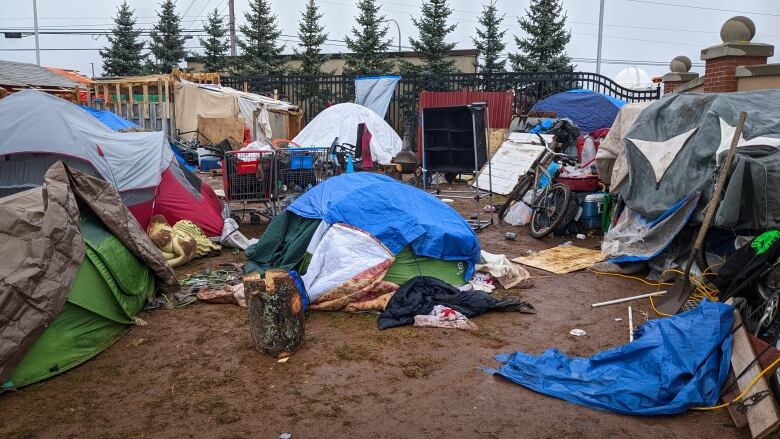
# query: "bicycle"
548 203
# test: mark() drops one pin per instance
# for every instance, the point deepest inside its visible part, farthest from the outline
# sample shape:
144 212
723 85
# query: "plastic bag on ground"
231 237
520 213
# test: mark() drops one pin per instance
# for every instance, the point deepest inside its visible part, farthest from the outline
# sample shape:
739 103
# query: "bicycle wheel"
515 196
551 210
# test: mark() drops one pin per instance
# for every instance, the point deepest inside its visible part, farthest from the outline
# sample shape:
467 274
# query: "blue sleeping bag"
673 364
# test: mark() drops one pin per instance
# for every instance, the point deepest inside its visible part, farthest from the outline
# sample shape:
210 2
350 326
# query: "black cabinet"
452 136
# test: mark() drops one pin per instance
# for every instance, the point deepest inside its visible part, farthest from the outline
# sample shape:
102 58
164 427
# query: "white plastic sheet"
342 253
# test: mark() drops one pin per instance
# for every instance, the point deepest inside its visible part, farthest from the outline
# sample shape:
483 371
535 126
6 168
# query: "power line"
705 8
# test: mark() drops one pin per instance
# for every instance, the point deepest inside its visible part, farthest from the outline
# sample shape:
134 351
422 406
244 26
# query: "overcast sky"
636 31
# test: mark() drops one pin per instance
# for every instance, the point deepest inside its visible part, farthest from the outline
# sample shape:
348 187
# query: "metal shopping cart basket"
298 170
247 178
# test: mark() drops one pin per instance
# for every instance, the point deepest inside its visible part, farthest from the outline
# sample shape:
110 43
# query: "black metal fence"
313 94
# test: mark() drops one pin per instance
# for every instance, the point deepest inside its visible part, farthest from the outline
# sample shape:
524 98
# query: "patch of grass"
224 418
357 352
353 323
421 367
489 338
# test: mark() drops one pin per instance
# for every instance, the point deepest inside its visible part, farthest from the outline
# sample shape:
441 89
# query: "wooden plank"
763 417
562 259
216 129
145 106
130 102
118 99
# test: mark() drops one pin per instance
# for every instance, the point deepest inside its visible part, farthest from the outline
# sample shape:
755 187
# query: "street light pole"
398 26
601 37
35 20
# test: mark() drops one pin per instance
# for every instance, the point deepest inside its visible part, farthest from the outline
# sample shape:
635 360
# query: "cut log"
276 317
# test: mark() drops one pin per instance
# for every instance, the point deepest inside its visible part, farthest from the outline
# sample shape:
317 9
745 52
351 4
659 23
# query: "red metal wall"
499 103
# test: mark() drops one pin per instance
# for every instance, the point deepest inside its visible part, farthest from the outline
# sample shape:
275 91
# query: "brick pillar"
671 86
720 73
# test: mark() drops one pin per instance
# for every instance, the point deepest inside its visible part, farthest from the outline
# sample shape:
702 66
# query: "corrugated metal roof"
21 74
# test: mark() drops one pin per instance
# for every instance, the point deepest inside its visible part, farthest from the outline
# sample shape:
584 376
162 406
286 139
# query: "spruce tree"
167 43
490 40
215 47
433 29
312 35
544 49
369 43
261 55
123 57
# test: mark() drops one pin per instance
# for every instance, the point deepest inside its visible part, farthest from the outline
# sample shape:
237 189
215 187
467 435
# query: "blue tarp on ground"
110 119
588 110
395 213
673 364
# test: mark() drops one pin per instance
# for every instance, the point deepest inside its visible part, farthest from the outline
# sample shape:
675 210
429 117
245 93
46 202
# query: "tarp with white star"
675 145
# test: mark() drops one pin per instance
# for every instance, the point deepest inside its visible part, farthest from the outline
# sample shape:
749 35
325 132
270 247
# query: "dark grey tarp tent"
674 146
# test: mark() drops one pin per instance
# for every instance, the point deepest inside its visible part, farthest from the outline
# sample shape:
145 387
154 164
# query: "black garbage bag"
420 294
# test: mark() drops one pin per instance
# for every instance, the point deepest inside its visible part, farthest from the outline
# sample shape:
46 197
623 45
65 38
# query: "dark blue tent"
588 110
110 119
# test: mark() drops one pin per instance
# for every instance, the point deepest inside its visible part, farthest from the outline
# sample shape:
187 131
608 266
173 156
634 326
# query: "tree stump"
275 313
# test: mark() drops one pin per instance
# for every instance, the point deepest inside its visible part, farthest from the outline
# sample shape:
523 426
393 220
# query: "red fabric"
143 212
247 136
365 147
175 203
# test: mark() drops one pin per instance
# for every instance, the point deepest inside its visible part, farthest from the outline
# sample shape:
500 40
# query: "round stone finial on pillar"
738 29
680 64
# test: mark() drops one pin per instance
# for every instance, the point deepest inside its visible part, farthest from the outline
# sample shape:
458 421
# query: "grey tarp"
42 250
672 147
752 197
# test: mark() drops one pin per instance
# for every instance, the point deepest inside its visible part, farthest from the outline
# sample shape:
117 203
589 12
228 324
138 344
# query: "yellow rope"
744 392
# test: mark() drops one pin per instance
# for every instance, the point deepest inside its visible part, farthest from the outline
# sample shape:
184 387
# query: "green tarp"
283 244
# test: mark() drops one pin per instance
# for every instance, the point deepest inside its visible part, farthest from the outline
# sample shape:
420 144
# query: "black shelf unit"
454 141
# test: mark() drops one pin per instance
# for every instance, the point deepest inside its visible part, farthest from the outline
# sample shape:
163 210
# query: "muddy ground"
191 372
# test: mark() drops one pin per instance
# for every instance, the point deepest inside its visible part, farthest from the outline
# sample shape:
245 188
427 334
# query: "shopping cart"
247 178
298 170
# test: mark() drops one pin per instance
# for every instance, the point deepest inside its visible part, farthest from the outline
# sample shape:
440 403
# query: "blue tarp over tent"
395 213
110 119
588 110
673 364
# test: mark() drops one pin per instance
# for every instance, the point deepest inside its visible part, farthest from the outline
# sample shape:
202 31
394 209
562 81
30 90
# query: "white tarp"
611 157
375 92
341 252
342 121
32 121
512 159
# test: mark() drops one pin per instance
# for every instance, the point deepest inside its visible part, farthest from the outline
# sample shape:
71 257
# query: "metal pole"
628 299
93 69
399 31
601 37
630 324
232 23
35 19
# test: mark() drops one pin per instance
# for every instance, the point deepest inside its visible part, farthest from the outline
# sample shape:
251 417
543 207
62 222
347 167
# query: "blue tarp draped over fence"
588 110
673 364
395 213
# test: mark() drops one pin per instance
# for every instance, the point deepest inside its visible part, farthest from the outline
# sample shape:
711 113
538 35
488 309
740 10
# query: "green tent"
76 269
110 288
